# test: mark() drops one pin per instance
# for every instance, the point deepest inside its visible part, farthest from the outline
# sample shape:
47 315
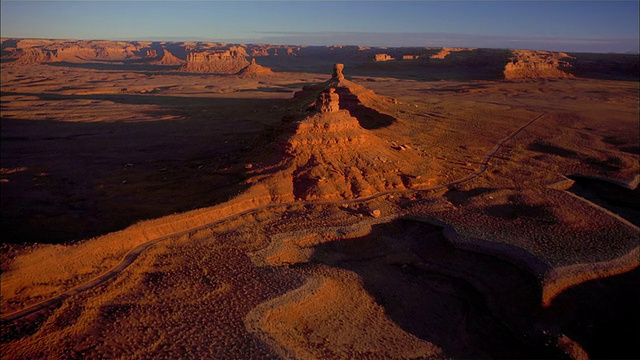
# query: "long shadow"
84 179
472 305
476 305
154 99
602 315
620 200
116 66
367 117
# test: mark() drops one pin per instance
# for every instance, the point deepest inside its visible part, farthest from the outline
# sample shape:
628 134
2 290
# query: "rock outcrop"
337 72
326 152
168 59
35 56
444 52
328 101
528 64
382 57
254 70
151 54
220 61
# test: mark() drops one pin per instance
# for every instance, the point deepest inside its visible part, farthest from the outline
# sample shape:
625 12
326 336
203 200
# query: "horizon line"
178 39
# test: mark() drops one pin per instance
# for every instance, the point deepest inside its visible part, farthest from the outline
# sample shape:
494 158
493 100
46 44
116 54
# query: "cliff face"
29 52
444 52
527 64
35 56
222 62
168 59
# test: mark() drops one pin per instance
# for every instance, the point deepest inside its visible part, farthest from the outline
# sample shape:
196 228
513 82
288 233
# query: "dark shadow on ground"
116 66
475 305
83 179
367 117
470 304
620 200
603 316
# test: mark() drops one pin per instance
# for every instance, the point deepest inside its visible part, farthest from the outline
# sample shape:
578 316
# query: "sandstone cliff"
222 62
444 52
529 64
382 57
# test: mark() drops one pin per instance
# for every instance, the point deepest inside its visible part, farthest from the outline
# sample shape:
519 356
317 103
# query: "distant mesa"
528 64
382 57
444 52
229 61
253 70
433 63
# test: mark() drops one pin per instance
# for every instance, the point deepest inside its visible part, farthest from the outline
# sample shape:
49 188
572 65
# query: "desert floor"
524 244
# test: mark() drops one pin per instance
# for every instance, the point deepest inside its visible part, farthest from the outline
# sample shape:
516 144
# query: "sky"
589 26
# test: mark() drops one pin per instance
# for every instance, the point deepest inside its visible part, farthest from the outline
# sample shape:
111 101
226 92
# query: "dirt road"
132 255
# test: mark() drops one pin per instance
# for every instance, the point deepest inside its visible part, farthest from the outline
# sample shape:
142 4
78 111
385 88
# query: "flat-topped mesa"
228 61
328 101
537 64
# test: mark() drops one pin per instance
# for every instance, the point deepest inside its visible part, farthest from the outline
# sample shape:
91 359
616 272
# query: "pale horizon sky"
578 26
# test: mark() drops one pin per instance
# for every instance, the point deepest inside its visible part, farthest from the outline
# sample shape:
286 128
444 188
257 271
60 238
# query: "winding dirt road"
133 254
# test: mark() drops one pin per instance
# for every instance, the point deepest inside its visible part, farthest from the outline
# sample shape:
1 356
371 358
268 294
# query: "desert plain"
208 200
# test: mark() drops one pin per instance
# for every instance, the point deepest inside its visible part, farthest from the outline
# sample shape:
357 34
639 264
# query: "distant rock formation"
153 53
337 72
529 64
254 70
444 52
35 56
168 59
382 57
31 51
410 57
222 62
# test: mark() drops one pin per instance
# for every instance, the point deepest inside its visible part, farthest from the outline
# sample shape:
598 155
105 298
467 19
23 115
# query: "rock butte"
328 155
536 64
254 70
